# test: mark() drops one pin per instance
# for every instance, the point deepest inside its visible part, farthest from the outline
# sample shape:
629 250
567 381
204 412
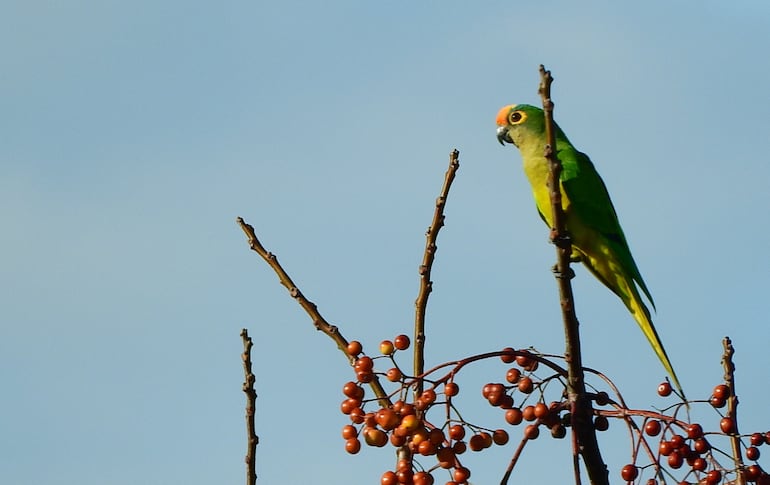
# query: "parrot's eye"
516 117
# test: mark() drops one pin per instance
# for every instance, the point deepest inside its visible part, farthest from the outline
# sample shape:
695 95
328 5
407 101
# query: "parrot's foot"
563 241
558 274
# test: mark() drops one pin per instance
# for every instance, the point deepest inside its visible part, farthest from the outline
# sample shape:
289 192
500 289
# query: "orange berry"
451 389
500 437
387 347
349 431
525 385
513 416
352 446
401 342
354 348
531 432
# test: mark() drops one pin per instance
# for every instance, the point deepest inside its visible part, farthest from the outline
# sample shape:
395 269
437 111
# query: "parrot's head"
520 123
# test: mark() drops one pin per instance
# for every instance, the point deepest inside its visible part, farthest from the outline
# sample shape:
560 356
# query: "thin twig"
426 285
320 323
251 404
514 460
732 409
584 437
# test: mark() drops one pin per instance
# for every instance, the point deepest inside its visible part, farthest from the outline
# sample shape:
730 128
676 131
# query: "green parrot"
591 221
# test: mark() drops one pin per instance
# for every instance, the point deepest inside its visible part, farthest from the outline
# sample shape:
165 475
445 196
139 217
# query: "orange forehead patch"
502 115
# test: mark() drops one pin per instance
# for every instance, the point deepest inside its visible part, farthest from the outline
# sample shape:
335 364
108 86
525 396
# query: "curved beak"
502 135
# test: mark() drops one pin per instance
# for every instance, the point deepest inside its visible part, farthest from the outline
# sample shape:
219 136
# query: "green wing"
592 205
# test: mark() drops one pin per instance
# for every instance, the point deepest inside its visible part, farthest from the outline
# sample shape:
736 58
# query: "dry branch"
426 285
732 409
320 323
251 401
584 435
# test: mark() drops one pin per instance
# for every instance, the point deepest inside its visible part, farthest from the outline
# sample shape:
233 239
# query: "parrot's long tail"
642 317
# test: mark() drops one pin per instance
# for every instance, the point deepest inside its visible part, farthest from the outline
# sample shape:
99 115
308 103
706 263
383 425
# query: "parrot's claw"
558 274
563 241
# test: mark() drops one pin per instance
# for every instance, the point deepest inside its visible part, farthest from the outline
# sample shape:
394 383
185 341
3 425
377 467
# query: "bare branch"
426 285
732 409
320 323
251 403
584 435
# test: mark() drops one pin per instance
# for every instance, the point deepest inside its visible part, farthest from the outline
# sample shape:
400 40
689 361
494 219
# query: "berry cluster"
539 414
682 443
404 424
401 420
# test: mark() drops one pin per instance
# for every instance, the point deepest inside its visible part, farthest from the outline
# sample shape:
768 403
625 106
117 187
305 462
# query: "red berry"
388 478
405 476
513 375
461 474
652 428
721 391
629 473
352 446
506 402
699 464
753 472
364 364
428 396
500 437
349 431
528 413
451 389
675 460
394 374
694 431
757 439
524 360
486 439
456 432
752 453
541 410
677 441
718 402
665 448
401 342
476 443
531 432
513 416
602 398
601 423
664 389
701 445
525 385
558 431
727 425
507 356
422 478
354 348
713 477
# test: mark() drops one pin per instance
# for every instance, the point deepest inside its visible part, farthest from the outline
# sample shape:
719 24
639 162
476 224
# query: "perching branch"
426 285
251 402
584 435
732 409
320 323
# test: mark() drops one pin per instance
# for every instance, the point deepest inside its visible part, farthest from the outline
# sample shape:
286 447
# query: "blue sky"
132 134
